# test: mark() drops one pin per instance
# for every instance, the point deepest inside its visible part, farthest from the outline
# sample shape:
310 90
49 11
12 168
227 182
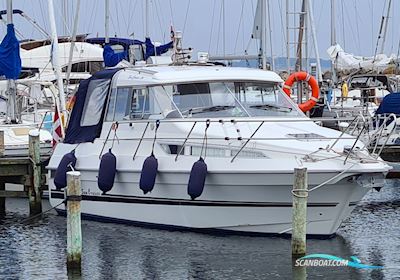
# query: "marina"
125 157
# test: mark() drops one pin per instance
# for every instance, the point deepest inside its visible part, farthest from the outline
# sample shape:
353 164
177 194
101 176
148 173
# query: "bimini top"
189 73
390 104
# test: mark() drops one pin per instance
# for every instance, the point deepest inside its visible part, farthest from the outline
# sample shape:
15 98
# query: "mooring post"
2 199
74 232
35 200
2 143
299 222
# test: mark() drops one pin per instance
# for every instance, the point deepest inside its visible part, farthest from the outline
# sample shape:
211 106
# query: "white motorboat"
255 138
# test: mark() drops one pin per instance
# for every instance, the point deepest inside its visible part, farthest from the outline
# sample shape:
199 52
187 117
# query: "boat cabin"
169 92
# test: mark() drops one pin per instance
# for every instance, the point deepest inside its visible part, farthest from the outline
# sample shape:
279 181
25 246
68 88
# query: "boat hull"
249 203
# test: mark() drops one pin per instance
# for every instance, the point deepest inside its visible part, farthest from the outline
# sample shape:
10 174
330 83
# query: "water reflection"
37 250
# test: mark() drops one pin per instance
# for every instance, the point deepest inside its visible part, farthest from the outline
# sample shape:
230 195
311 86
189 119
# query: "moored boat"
241 130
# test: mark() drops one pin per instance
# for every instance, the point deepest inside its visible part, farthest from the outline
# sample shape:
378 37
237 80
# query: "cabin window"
94 102
85 67
127 103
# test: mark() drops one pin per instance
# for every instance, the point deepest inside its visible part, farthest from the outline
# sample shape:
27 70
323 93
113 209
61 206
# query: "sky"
206 29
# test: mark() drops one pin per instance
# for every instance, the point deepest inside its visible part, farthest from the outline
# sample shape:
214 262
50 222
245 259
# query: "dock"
28 171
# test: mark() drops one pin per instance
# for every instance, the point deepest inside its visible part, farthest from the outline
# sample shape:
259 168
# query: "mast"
386 26
72 46
146 17
299 65
107 22
270 36
263 37
223 28
287 37
333 23
314 37
11 88
333 38
55 62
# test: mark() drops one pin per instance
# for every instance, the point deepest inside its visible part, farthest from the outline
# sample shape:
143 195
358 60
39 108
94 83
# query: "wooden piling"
74 232
34 190
2 148
299 222
2 199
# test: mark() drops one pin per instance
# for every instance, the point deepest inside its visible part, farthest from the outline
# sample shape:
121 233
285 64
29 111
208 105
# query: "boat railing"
152 123
385 126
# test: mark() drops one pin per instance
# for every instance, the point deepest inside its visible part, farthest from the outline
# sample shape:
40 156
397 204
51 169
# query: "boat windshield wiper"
273 107
216 108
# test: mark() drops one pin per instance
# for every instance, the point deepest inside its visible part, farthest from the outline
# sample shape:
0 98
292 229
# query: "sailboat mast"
107 22
73 39
314 37
299 60
55 58
263 37
287 37
146 17
270 36
386 26
333 23
223 28
333 37
12 91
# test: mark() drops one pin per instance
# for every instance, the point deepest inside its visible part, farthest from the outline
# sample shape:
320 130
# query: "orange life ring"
312 82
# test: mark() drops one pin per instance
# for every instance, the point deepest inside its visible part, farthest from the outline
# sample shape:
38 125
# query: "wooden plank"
14 170
20 194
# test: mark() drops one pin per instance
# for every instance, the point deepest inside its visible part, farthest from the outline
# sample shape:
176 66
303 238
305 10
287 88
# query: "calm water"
36 250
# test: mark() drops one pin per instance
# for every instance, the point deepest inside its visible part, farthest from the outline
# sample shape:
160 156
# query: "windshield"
201 100
228 99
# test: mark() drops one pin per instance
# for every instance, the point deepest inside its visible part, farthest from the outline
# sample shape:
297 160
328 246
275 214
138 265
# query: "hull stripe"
185 202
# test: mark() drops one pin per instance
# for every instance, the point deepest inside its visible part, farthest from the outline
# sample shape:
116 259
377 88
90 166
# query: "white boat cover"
347 61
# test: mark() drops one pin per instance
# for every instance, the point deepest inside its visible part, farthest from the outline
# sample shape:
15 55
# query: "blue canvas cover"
10 60
112 58
151 50
390 104
76 132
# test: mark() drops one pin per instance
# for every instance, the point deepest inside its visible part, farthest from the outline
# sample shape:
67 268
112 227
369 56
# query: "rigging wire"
250 40
186 16
171 13
160 20
343 25
219 25
131 15
43 17
284 41
63 21
123 17
212 26
357 26
93 16
240 23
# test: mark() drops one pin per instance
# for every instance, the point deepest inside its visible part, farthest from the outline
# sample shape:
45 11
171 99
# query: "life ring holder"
312 82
